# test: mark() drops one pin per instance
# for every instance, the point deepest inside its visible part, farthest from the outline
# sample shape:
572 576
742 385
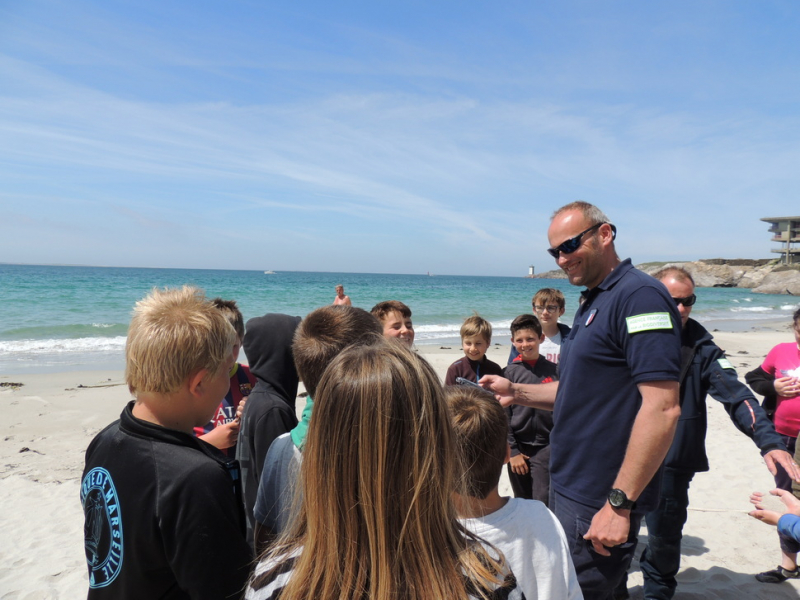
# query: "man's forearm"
651 436
537 395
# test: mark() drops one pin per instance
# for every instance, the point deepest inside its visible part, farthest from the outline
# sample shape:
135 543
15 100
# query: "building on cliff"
786 230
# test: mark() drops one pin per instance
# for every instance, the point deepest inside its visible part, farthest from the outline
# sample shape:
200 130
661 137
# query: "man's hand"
788 387
784 459
519 464
610 527
223 436
502 388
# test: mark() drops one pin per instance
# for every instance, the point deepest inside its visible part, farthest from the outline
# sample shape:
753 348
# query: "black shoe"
778 575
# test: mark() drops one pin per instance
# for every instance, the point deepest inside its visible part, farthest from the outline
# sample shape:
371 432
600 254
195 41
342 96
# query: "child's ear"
561 311
197 382
507 459
542 338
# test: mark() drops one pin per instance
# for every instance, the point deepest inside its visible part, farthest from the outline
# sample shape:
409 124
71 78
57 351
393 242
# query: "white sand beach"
51 418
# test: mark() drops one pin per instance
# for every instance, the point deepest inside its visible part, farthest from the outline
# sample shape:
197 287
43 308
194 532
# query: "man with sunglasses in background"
704 370
616 404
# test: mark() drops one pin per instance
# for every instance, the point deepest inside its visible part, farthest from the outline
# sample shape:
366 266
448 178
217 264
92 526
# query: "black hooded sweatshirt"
270 408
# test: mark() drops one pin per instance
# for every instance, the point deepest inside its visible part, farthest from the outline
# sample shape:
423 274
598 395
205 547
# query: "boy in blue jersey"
222 430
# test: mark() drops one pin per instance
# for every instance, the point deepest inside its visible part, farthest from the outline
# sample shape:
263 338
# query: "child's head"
173 335
476 335
379 470
235 318
324 333
526 335
481 429
395 317
548 304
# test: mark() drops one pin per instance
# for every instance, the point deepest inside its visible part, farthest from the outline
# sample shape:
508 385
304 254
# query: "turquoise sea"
56 318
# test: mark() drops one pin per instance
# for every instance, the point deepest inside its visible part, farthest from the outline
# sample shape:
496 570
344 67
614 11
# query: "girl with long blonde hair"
377 520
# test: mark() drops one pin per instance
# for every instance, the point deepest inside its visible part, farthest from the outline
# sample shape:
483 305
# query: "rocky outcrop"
785 281
763 276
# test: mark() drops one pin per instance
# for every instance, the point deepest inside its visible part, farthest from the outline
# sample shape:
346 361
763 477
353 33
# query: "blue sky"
392 137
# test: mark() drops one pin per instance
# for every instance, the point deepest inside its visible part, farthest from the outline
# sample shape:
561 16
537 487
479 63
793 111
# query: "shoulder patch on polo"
724 363
648 322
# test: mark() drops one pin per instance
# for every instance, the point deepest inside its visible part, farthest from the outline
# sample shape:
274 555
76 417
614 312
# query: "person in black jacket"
704 370
270 408
163 511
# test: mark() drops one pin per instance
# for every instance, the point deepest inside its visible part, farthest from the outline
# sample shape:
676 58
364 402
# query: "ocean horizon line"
275 272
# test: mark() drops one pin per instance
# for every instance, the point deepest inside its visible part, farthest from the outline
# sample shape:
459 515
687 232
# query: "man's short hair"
382 309
232 313
477 326
481 428
174 333
590 212
324 333
549 295
527 321
679 273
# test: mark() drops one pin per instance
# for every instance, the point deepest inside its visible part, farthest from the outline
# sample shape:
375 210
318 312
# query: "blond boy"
476 337
163 515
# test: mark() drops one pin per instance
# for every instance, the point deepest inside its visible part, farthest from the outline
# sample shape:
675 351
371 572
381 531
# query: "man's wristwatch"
618 499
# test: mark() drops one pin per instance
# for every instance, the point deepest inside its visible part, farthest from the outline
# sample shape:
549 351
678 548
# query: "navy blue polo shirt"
626 332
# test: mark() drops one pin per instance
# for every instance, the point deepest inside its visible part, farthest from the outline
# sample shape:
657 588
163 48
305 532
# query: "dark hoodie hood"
268 347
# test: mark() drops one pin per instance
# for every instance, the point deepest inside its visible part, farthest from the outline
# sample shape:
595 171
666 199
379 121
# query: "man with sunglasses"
704 370
616 404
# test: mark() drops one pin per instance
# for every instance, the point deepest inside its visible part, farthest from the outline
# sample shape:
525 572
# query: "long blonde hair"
379 467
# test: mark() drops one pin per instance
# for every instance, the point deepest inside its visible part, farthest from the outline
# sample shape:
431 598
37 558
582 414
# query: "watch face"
616 498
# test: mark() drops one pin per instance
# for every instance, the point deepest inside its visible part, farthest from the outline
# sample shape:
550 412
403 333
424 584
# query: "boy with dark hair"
320 337
529 428
476 337
548 305
528 534
222 430
270 408
163 514
395 317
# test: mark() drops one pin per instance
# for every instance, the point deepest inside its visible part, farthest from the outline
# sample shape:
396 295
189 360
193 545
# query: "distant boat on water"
270 273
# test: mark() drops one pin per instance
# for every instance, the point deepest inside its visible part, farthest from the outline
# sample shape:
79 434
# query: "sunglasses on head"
569 246
688 301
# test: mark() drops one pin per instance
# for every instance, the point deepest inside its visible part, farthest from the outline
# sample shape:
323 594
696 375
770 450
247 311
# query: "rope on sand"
719 510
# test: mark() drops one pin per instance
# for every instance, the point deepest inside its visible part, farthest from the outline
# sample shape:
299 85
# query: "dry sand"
50 420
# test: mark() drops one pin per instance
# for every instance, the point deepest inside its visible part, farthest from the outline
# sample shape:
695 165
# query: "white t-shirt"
550 348
535 547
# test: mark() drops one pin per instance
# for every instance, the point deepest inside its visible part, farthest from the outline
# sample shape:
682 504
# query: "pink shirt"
784 361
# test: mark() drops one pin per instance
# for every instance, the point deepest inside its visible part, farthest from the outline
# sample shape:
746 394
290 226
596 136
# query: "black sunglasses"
688 301
569 246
